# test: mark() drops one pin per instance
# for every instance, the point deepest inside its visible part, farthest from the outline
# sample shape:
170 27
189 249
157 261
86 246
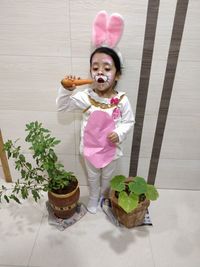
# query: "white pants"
98 179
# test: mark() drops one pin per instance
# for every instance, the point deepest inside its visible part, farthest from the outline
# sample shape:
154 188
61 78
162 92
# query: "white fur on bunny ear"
115 29
99 30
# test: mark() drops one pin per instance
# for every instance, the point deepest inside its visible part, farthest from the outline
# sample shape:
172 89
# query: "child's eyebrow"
107 62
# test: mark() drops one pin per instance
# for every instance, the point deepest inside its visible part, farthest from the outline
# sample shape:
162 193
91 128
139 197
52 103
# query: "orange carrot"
70 82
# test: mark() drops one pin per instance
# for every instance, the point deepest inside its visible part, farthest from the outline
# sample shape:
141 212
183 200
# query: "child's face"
103 71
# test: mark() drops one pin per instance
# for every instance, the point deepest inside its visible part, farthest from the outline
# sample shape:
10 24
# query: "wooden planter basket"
64 205
132 219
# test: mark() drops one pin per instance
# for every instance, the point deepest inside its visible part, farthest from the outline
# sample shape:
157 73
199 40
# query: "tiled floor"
26 238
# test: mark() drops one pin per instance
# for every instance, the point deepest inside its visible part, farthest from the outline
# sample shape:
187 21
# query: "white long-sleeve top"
88 101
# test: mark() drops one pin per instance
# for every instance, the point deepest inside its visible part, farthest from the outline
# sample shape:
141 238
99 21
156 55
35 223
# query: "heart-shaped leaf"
152 193
117 183
127 202
138 186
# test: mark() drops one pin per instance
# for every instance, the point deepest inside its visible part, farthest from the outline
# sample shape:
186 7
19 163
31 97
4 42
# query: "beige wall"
179 164
41 41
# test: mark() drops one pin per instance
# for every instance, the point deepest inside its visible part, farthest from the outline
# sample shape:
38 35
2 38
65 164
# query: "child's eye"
107 69
94 68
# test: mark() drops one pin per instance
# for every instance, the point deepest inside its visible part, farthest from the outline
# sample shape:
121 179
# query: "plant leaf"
15 198
24 192
22 158
127 202
23 173
56 142
117 183
152 193
35 194
138 186
6 198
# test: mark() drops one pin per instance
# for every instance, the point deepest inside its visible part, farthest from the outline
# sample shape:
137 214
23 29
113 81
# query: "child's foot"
92 205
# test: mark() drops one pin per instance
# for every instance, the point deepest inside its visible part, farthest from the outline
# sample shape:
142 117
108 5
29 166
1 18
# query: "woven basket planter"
132 219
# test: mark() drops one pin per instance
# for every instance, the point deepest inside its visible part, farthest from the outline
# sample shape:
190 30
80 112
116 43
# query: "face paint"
101 78
103 71
107 60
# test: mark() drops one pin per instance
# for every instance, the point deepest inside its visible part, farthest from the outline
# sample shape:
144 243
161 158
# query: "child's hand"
113 137
67 82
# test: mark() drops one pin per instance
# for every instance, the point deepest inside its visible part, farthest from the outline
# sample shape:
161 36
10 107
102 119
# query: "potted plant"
130 198
45 174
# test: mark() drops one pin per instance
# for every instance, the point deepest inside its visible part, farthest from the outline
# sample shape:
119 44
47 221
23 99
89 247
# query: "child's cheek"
93 74
110 77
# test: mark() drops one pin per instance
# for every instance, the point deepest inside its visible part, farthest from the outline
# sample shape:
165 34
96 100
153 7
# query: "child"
107 119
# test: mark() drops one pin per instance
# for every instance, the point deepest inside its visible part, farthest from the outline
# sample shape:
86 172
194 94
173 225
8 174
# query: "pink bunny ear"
99 28
114 29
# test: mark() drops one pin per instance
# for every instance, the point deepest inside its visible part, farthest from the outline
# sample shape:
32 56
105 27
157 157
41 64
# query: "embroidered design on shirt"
104 105
116 112
113 103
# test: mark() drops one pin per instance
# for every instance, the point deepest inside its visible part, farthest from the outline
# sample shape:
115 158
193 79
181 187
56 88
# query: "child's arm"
127 123
67 100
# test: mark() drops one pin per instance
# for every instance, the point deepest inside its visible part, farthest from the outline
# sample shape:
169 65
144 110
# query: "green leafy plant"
132 191
46 174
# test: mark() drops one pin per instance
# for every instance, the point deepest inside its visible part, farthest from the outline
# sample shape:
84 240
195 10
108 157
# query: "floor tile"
175 237
92 241
27 239
19 225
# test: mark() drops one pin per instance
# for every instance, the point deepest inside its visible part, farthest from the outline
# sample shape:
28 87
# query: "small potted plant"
130 198
45 174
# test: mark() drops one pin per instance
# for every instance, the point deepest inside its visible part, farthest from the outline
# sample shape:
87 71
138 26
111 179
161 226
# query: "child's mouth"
101 78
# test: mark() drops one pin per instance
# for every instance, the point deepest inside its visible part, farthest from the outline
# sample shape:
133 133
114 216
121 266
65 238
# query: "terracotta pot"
64 203
132 219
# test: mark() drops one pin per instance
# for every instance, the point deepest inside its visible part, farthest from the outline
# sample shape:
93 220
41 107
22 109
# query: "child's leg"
107 174
94 186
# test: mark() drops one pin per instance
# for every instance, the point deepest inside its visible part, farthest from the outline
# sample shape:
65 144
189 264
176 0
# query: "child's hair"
110 52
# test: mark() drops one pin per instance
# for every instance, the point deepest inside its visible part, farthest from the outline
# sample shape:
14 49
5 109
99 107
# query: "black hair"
110 52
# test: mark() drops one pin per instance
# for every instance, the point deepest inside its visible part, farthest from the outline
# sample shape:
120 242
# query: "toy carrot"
77 82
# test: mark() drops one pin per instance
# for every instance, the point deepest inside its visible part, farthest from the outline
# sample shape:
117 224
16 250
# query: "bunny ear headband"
107 30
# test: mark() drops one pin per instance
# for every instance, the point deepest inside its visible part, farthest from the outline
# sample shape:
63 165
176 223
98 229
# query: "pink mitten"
114 29
99 28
